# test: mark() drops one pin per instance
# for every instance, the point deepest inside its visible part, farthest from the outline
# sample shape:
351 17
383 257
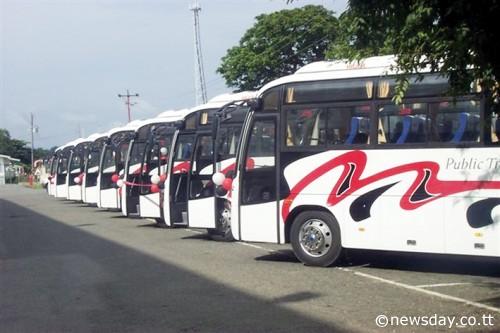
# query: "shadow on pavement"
58 278
202 236
413 262
424 262
279 256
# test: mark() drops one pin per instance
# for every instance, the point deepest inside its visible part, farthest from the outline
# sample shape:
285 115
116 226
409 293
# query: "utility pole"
32 127
199 73
127 102
33 130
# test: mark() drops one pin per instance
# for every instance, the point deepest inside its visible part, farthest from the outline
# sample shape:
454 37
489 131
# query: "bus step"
181 224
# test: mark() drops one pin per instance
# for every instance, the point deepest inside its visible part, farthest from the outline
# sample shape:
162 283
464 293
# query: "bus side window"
348 125
495 128
305 127
259 174
402 124
454 122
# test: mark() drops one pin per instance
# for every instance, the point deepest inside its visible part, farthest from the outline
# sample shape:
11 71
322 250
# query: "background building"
8 171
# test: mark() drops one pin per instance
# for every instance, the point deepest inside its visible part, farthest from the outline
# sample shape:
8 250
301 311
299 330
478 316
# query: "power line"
127 102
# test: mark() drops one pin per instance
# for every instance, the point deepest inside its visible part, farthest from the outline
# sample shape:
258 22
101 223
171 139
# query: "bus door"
156 158
108 197
255 189
133 180
176 191
62 175
51 177
201 202
75 170
122 192
91 173
226 145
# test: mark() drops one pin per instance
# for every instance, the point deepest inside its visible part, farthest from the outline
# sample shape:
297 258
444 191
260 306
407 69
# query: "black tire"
316 223
160 223
220 236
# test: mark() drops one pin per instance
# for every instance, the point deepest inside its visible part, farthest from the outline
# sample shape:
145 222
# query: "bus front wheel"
220 236
315 238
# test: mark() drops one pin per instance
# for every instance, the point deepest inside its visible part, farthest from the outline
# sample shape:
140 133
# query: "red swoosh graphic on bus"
354 163
250 164
230 167
182 167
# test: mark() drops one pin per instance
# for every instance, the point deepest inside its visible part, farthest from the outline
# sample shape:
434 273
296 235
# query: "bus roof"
223 99
131 126
164 117
95 136
79 141
67 145
178 114
338 69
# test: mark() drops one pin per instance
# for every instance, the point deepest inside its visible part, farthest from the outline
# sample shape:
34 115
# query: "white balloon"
218 178
77 180
155 179
120 183
45 181
163 151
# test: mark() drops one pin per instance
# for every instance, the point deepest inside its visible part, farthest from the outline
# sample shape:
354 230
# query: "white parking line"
443 285
419 288
255 246
424 291
194 231
239 243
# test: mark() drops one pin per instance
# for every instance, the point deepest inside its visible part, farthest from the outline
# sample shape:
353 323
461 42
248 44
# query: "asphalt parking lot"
67 267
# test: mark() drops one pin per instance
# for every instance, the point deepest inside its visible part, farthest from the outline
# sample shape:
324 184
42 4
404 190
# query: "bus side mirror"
255 104
179 124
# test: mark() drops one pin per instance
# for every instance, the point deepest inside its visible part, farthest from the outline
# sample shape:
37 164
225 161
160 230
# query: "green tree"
278 44
456 37
18 149
12 147
351 45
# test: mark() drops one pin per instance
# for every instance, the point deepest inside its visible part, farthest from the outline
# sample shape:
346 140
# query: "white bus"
52 173
61 174
93 151
336 164
153 170
112 164
75 168
210 135
145 159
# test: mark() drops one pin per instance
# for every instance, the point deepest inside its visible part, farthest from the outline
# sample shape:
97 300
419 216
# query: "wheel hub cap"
315 237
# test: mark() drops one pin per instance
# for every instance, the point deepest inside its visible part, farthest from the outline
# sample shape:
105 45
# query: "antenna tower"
199 73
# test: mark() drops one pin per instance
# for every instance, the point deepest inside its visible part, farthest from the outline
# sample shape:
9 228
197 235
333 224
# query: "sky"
65 61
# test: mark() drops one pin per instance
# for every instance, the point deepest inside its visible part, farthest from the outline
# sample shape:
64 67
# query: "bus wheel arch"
295 212
316 237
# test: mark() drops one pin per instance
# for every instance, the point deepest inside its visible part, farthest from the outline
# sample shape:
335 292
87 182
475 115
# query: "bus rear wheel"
315 238
160 223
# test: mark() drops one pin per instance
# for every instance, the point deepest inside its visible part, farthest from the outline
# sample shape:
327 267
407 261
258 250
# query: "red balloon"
155 188
250 164
163 177
115 178
227 184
